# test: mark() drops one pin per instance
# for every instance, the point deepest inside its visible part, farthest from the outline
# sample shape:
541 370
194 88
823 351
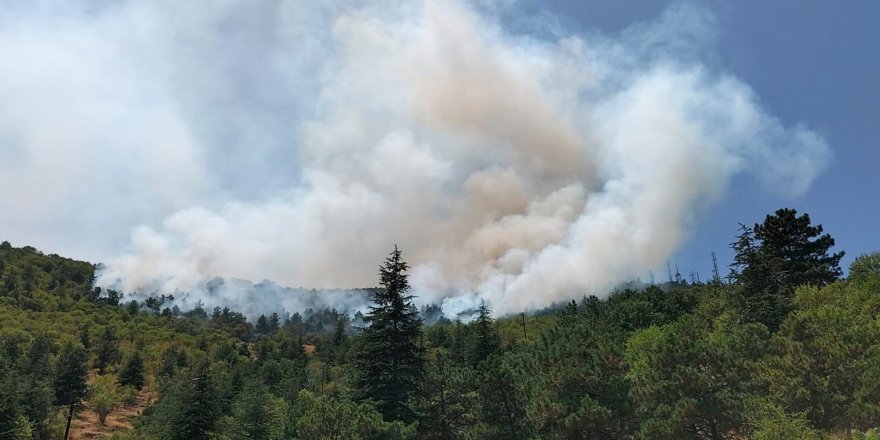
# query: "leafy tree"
128 396
864 272
132 373
390 361
775 257
690 381
824 361
770 422
322 418
104 396
107 349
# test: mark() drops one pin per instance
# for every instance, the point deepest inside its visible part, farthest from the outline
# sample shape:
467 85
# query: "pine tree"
448 405
107 349
251 417
485 341
197 411
132 374
390 362
773 258
84 337
262 327
274 323
10 412
503 401
70 381
37 393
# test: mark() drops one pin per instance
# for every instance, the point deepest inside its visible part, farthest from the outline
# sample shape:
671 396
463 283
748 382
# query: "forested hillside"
781 348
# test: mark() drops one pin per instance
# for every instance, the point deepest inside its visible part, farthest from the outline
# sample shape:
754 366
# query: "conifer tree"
503 401
262 327
132 374
37 396
448 405
197 410
70 382
775 257
485 341
10 413
107 349
390 362
252 417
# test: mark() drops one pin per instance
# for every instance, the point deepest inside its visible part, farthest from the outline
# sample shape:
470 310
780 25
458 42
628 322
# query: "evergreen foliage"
70 381
132 373
775 257
107 349
448 405
195 411
672 361
390 361
484 341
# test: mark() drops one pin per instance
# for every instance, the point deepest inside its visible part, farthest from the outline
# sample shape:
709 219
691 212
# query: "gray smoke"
299 141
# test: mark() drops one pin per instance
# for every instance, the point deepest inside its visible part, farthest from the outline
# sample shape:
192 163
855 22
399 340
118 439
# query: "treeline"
782 348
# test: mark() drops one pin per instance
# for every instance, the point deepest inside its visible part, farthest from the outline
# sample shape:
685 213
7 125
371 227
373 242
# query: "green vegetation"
785 350
389 361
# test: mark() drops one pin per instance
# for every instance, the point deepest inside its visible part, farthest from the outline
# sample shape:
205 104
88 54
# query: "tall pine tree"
132 374
107 349
775 257
70 379
391 359
485 341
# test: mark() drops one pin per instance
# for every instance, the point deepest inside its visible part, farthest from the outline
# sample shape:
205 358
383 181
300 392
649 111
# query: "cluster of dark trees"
784 349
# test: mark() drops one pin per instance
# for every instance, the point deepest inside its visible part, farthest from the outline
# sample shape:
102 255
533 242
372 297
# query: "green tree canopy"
774 258
107 349
132 374
70 381
390 361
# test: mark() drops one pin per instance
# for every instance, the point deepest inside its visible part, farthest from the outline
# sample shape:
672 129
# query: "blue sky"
811 62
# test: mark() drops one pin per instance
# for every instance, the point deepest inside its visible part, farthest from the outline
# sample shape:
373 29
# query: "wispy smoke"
299 141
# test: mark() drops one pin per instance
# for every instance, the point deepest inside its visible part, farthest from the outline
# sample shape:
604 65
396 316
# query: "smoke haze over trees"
664 361
506 161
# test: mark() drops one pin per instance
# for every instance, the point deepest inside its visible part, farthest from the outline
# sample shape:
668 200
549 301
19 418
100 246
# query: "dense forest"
781 347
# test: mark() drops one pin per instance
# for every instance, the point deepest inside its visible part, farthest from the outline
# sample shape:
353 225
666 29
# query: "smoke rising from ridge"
299 142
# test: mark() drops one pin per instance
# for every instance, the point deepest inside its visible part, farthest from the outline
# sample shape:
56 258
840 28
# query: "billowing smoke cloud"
299 141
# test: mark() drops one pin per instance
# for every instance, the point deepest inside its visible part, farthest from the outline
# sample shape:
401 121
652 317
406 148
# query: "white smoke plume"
299 141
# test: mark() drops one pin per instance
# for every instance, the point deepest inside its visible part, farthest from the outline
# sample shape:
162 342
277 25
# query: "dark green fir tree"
391 358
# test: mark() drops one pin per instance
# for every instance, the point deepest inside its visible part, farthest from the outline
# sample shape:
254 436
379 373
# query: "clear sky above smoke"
522 150
811 62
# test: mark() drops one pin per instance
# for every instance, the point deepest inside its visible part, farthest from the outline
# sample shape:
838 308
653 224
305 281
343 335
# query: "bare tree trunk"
69 417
